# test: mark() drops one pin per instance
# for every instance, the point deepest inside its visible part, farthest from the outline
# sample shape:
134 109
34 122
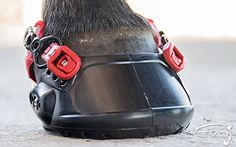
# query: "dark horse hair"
68 18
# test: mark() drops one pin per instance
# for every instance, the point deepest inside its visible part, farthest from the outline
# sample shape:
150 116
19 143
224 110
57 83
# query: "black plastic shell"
115 97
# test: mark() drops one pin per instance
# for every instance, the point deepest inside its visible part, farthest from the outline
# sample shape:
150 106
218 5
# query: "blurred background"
204 30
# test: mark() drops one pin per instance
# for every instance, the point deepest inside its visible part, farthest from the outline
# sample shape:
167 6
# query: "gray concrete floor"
210 76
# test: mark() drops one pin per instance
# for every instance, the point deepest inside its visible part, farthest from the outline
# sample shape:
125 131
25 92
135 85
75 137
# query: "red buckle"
62 61
173 57
29 60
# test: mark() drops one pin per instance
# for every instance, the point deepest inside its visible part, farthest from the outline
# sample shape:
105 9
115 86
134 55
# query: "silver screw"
64 62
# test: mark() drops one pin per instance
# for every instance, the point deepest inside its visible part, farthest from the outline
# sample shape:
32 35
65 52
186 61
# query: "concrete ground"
210 76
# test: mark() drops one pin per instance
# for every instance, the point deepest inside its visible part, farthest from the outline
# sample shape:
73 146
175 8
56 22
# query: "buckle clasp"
62 61
173 57
171 53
